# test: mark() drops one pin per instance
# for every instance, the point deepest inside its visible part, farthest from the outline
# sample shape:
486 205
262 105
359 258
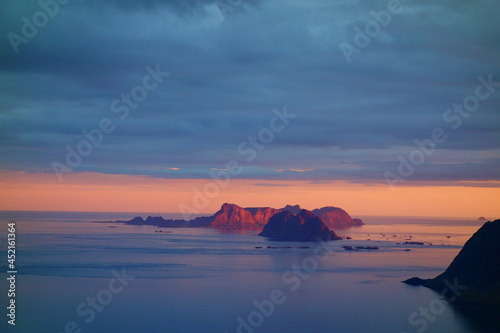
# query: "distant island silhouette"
231 216
303 227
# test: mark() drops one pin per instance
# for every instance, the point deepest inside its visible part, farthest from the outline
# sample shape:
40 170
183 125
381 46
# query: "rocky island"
476 270
231 216
301 227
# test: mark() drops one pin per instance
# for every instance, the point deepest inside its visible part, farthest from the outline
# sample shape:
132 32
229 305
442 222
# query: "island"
231 216
301 227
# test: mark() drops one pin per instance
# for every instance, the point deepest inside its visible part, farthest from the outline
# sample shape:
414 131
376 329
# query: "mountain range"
232 216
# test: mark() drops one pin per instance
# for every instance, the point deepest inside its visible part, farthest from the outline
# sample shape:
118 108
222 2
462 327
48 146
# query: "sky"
379 107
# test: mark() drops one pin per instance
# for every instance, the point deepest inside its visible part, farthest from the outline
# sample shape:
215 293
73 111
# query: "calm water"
203 280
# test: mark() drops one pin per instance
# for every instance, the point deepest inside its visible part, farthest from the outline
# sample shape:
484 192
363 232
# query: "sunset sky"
124 105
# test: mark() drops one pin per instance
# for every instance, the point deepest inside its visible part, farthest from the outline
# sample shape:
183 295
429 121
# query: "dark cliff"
304 226
476 268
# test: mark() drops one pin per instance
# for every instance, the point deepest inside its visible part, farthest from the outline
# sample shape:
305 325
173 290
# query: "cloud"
271 185
354 120
295 170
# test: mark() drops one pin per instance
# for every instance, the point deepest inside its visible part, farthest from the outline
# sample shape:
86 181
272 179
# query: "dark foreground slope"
476 269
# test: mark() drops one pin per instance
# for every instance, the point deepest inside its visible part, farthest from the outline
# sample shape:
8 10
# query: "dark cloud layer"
231 66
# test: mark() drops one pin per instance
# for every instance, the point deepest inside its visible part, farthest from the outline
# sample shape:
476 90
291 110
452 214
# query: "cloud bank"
228 69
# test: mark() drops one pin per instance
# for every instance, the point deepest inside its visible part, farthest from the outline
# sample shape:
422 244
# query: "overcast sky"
229 70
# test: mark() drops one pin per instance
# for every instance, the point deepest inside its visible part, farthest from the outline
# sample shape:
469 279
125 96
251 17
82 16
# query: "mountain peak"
235 217
295 209
302 227
306 214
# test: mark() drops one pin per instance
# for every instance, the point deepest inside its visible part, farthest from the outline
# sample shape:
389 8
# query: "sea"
75 272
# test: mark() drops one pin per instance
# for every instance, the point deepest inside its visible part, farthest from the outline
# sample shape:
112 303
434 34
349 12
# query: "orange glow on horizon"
125 193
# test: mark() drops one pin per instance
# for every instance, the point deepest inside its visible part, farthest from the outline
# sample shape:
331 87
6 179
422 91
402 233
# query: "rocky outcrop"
357 248
202 221
137 220
261 215
302 227
155 220
161 222
476 269
231 216
335 217
292 209
358 222
234 216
